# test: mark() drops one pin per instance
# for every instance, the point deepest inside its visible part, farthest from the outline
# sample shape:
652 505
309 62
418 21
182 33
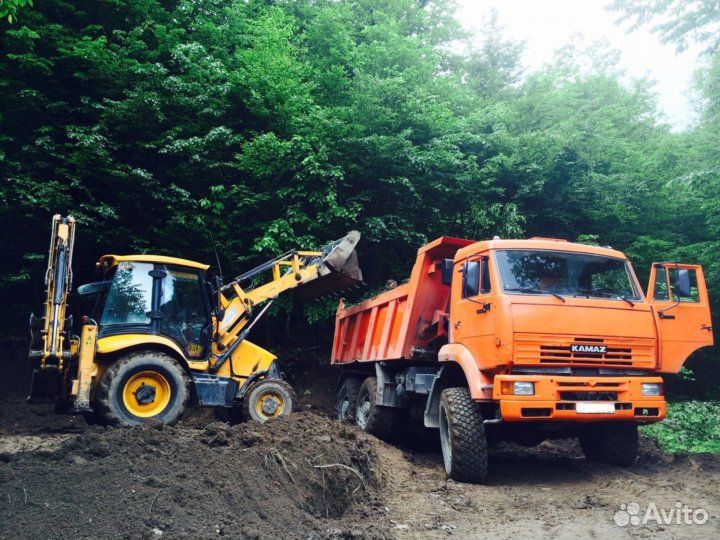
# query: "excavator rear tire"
462 436
141 386
371 417
347 399
268 399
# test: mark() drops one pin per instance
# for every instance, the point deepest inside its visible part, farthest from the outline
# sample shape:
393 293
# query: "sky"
546 25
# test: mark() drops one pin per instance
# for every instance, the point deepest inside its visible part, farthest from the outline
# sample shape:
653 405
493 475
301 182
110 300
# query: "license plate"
595 408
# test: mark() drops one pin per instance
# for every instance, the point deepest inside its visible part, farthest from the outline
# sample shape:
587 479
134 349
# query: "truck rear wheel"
615 443
269 399
347 399
140 386
462 436
370 416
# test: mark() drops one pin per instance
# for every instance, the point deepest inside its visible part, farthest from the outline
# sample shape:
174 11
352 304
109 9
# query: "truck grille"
557 350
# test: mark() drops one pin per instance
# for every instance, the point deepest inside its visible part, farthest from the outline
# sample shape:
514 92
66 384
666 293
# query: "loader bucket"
338 269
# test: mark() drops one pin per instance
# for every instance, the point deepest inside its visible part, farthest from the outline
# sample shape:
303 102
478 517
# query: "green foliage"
675 21
282 124
9 9
690 426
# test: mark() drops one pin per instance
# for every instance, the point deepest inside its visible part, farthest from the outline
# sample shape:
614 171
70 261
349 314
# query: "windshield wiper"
530 290
600 293
620 297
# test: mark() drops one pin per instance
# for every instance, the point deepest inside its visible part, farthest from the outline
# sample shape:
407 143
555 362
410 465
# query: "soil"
308 476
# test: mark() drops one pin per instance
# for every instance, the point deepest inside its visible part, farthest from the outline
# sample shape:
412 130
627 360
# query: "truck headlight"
518 388
651 389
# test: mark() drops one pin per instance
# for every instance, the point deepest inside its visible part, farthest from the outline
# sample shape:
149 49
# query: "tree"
675 21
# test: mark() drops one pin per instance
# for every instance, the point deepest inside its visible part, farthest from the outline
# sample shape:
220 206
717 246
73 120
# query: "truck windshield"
566 274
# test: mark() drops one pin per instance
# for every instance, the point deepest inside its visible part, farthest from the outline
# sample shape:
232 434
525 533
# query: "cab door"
472 319
681 309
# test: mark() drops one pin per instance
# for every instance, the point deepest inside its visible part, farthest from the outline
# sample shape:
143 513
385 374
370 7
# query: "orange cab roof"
112 260
539 243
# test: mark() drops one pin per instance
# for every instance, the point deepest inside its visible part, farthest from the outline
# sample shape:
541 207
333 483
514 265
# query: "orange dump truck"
519 340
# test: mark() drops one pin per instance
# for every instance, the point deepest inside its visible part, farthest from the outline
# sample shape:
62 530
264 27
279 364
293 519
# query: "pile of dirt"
297 477
308 476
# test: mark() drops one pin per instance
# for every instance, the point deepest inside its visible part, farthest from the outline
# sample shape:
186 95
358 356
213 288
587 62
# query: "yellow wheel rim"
146 394
270 404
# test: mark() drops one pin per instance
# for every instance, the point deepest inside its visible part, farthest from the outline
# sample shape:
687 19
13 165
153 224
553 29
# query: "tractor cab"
151 294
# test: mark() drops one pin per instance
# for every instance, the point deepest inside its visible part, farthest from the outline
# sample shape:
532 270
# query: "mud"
307 476
299 477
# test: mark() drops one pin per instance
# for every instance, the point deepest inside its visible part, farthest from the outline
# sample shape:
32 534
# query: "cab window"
476 278
184 315
660 288
691 294
130 297
484 276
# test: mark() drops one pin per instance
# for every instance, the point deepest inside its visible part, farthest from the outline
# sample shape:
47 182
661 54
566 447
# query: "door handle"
706 327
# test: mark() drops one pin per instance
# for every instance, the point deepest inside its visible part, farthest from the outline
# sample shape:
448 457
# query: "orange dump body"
406 318
574 349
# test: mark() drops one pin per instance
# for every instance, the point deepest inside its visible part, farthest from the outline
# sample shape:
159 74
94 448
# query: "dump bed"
404 321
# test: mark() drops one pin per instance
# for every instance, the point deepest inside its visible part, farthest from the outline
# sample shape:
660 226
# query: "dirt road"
307 476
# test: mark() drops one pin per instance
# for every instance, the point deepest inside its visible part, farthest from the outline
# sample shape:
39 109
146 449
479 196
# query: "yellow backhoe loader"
166 338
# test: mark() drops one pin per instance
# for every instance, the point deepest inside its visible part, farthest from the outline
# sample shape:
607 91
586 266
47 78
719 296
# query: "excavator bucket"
338 269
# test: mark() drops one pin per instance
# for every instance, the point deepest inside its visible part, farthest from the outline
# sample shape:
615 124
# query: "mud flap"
431 417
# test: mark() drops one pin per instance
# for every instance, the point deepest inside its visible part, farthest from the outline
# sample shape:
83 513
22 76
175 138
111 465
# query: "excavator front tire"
268 399
140 386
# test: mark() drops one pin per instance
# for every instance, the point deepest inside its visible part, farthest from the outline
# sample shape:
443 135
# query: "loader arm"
49 339
313 273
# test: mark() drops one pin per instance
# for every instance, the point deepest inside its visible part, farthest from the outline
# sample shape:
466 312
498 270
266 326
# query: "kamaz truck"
519 340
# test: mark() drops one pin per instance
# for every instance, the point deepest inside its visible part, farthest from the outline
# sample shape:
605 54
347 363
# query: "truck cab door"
681 309
472 318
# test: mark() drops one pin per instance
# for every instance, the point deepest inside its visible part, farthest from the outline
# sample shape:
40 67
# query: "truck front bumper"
579 399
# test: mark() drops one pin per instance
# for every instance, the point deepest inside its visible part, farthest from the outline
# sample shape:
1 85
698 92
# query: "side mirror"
446 268
682 283
471 279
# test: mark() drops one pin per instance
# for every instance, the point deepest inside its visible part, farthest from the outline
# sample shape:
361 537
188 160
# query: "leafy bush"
690 426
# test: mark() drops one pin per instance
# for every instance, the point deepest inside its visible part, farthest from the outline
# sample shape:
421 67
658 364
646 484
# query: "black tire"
371 417
347 399
615 443
621 444
110 406
462 436
268 399
591 442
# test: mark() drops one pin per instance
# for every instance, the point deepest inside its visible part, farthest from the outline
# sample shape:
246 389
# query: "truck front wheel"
462 436
370 416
